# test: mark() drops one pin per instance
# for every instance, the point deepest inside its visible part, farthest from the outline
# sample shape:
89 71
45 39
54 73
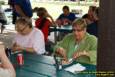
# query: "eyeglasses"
78 30
21 30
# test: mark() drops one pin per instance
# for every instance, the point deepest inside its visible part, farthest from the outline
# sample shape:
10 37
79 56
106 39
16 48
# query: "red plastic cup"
20 59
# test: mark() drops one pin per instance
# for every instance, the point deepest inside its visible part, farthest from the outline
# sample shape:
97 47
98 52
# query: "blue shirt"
25 6
71 16
93 28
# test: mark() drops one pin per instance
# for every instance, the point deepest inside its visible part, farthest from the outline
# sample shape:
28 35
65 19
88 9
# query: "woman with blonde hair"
79 45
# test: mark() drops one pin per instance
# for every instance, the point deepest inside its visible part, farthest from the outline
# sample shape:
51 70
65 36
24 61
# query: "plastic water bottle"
58 63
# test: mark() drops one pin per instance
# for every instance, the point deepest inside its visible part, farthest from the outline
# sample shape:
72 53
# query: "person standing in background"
21 8
10 2
3 19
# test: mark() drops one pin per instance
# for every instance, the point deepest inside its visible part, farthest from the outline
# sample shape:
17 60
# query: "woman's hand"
62 52
80 53
17 47
65 62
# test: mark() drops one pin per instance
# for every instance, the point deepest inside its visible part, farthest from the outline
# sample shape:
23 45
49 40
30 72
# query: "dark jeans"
14 17
3 22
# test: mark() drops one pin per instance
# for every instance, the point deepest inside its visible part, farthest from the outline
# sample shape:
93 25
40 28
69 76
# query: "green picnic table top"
43 66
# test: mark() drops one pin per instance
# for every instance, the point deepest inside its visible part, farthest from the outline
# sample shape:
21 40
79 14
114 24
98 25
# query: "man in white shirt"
28 38
6 68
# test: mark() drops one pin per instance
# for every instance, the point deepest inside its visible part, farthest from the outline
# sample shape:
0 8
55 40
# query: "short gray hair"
24 21
80 22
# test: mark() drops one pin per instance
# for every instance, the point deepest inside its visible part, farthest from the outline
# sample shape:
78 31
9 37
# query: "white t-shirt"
6 73
34 39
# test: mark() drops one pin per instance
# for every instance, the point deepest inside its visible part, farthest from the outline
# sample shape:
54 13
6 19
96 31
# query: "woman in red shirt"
43 23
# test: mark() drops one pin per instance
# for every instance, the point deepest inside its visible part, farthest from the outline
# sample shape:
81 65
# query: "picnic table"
44 66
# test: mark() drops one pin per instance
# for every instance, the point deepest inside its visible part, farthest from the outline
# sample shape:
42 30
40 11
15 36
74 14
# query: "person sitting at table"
6 68
28 38
35 10
79 45
66 18
43 23
92 20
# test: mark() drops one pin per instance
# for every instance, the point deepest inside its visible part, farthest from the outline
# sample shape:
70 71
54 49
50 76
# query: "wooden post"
106 41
